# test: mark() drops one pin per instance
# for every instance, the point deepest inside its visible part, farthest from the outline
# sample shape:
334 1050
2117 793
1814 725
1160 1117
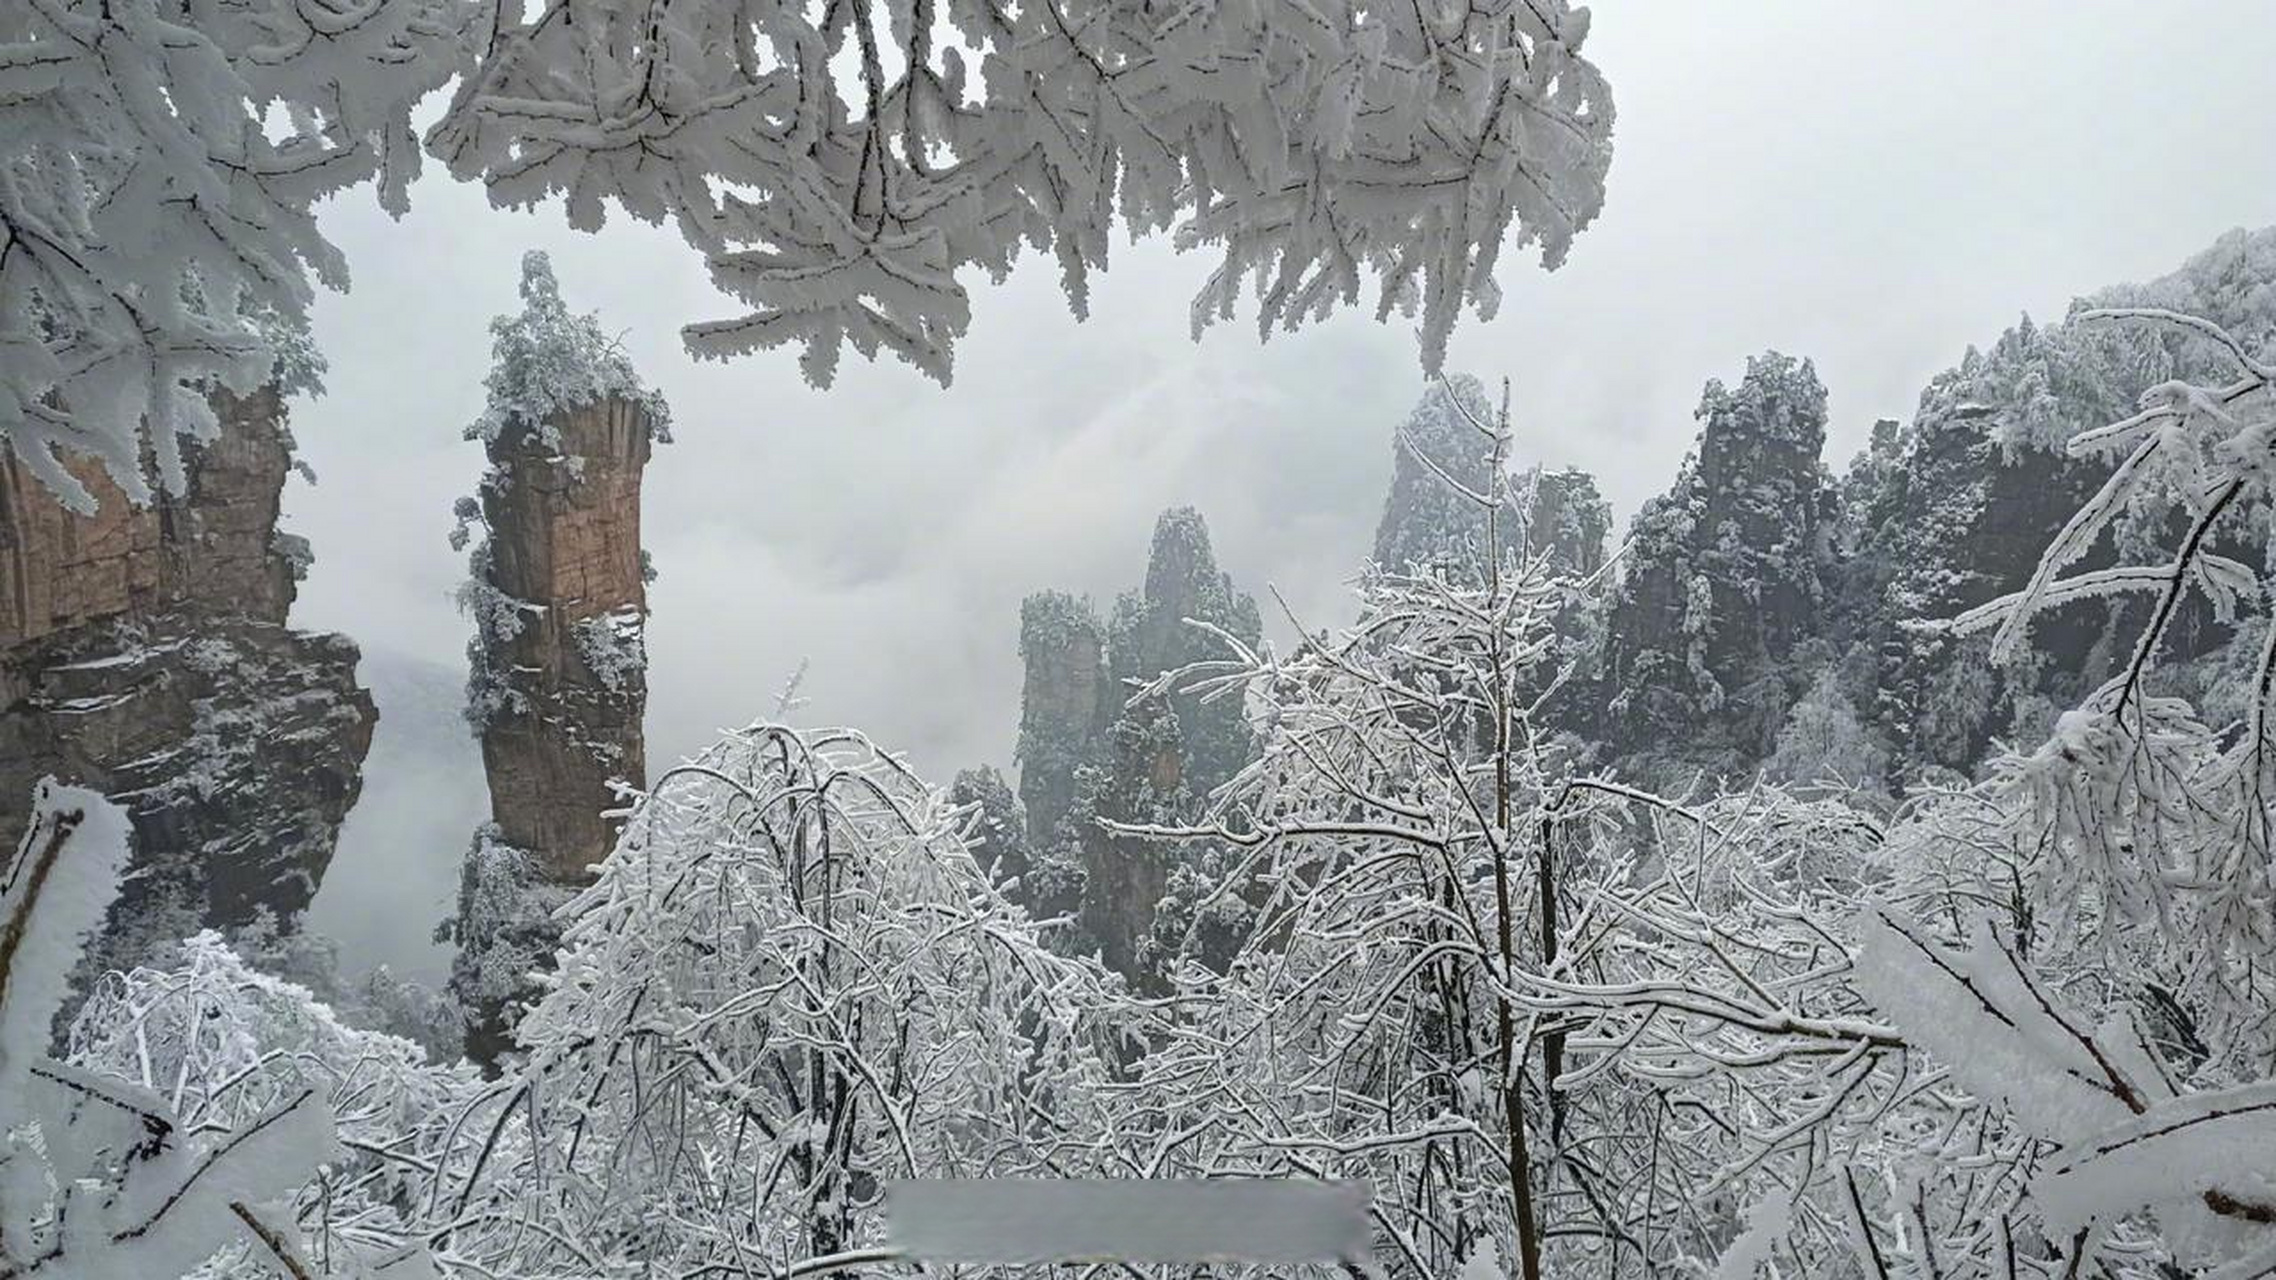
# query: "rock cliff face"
1425 524
564 517
1728 572
1066 698
1763 609
558 688
1558 515
1565 518
144 652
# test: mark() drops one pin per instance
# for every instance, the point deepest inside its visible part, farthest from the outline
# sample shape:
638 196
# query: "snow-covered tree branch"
158 200
844 166
100 1179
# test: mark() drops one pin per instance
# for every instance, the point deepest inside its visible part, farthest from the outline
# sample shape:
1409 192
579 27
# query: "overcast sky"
1872 185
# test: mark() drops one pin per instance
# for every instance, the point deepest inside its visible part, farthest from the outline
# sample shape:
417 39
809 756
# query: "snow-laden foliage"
546 361
377 999
224 1044
1368 1025
789 982
498 618
2030 1035
1825 741
505 928
105 1181
841 166
157 205
613 646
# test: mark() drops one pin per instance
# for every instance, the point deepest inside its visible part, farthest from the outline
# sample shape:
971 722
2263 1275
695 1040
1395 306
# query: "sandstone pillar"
558 680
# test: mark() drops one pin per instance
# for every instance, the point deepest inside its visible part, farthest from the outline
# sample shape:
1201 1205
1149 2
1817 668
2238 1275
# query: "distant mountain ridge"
1766 616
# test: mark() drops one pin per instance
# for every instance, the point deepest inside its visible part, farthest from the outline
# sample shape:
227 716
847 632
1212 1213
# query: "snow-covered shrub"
548 361
101 1179
789 982
294 550
380 1000
1825 741
498 618
225 1045
613 647
505 927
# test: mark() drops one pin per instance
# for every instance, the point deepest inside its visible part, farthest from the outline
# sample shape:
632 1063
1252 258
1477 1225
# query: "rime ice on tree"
558 594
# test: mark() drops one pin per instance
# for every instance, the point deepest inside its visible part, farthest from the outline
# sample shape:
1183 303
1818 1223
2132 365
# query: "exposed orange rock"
558 689
210 549
564 518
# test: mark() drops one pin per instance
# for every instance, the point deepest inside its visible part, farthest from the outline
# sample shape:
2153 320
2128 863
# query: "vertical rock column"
558 679
564 517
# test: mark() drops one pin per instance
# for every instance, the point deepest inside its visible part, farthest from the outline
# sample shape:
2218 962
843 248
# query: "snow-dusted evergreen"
547 360
613 646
